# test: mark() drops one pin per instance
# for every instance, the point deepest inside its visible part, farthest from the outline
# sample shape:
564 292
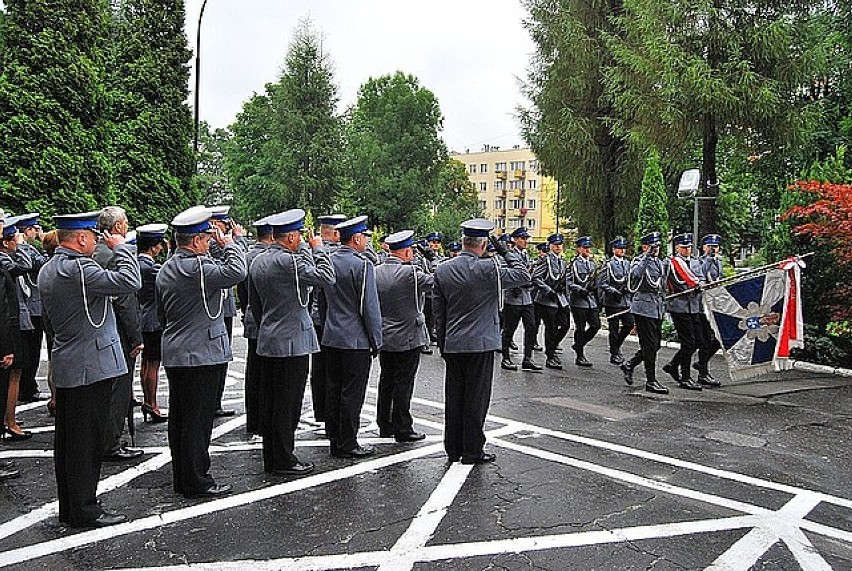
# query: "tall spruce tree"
693 71
653 215
567 125
52 105
152 161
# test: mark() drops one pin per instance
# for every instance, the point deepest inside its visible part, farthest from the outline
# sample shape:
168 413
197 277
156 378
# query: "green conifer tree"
653 214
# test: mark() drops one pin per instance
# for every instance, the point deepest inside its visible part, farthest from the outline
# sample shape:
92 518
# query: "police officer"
518 306
684 305
431 251
551 298
455 249
30 230
251 382
113 220
191 293
330 241
711 268
87 358
8 347
467 298
402 288
646 283
150 242
351 337
385 250
279 289
221 219
584 304
612 284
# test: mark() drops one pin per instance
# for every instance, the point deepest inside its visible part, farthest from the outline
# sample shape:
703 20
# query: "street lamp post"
197 75
688 188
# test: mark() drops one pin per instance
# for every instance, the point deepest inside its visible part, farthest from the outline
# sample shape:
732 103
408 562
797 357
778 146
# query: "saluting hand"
221 238
112 240
314 241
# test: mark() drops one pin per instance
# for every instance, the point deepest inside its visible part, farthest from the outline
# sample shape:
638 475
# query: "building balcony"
519 193
519 173
501 174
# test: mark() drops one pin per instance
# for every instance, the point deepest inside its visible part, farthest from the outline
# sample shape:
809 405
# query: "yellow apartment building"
511 191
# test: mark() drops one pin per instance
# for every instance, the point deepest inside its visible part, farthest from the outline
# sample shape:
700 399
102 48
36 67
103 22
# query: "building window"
518 165
534 166
483 186
500 222
483 168
515 223
471 169
516 204
500 204
499 167
530 222
532 184
531 204
499 185
516 184
482 205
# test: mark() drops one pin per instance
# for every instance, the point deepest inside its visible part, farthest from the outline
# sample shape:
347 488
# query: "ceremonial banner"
758 320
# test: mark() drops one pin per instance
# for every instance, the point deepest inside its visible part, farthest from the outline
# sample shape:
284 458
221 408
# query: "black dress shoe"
538 347
672 371
508 365
483 458
12 436
708 381
513 346
123 454
689 385
225 412
528 365
582 362
214 491
9 473
616 358
297 469
628 373
426 350
553 363
105 520
656 387
357 452
411 437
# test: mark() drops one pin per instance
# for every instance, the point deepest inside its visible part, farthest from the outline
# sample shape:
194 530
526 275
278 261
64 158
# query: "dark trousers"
318 374
650 332
428 315
192 404
120 402
282 384
4 392
587 323
252 388
467 395
31 340
709 344
512 315
557 321
347 372
396 385
229 327
78 448
688 329
619 327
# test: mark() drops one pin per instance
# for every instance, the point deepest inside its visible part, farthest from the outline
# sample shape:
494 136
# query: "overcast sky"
470 53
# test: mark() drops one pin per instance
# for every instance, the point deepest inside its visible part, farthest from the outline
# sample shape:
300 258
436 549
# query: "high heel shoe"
12 436
156 415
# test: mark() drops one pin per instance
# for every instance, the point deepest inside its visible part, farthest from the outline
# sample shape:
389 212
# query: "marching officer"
150 242
402 288
584 303
87 358
330 241
518 306
251 382
351 337
685 309
279 297
467 298
191 293
30 229
711 268
646 283
612 283
551 298
8 347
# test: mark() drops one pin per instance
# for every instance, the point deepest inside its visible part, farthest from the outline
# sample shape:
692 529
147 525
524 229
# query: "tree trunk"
709 182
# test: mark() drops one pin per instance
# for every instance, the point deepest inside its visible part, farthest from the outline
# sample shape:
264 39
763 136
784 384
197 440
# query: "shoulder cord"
500 299
363 289
86 300
224 294
303 303
653 283
416 290
582 282
612 276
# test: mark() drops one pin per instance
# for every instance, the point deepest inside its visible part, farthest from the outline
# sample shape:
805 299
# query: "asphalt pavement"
590 474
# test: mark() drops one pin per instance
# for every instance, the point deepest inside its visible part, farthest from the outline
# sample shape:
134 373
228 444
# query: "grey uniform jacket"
582 284
18 264
684 273
86 347
647 282
612 283
38 259
147 294
353 317
218 254
249 322
467 291
520 295
549 276
318 302
402 288
126 306
711 268
194 332
279 296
